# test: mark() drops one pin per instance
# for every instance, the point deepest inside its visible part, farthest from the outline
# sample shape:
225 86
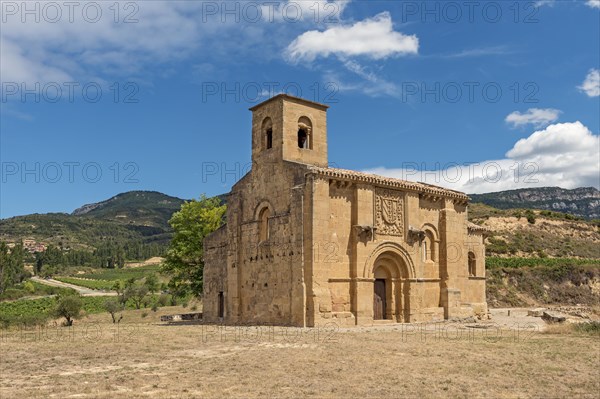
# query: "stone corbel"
415 234
365 232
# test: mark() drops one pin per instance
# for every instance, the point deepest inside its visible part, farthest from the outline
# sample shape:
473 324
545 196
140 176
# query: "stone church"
306 244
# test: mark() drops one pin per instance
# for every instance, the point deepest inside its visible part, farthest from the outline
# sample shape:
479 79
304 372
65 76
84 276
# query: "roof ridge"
377 179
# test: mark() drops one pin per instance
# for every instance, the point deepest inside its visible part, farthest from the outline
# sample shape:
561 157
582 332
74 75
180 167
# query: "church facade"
306 244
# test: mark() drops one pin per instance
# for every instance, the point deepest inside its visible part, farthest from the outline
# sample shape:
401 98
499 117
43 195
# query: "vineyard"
31 289
38 311
104 279
121 274
91 284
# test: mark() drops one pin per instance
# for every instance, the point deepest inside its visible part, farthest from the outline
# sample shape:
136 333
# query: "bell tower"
289 128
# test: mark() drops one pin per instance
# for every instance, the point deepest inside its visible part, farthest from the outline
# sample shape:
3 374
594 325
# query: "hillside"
541 282
141 208
136 216
583 202
535 233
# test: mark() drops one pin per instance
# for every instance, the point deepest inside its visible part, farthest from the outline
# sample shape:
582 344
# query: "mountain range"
582 202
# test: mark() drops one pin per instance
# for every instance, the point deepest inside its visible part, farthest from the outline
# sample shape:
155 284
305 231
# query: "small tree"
137 293
114 307
118 287
184 258
68 307
151 283
130 282
177 290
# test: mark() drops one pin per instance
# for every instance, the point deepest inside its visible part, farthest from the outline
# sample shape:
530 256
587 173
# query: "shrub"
592 327
32 320
154 307
194 308
68 307
163 299
144 314
29 287
530 216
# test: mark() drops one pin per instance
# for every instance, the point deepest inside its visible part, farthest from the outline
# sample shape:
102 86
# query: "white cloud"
19 68
541 3
148 33
373 37
537 117
591 84
76 47
317 11
374 85
564 154
593 3
479 52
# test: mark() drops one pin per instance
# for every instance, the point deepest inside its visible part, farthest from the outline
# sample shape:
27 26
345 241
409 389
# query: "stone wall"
330 238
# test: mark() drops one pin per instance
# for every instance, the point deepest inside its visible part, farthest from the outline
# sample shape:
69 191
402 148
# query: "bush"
530 216
163 299
144 314
33 320
29 287
194 308
592 327
155 307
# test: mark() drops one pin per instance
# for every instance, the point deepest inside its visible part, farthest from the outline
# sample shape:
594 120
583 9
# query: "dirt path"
81 290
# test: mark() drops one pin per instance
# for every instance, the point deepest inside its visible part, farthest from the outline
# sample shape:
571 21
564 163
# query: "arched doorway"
391 287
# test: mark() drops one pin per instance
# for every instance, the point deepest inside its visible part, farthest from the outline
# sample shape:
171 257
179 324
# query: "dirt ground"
506 357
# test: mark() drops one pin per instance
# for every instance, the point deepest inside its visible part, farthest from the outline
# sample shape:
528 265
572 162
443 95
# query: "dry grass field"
147 359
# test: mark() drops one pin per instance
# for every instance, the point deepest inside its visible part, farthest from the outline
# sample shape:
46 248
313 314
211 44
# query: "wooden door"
379 300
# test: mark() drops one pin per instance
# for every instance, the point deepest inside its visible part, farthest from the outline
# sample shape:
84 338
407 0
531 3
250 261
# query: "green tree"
68 307
151 283
184 259
114 307
12 267
137 294
119 288
51 259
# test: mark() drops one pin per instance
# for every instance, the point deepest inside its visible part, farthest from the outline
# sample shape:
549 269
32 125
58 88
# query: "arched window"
428 247
269 138
472 264
263 218
267 133
305 133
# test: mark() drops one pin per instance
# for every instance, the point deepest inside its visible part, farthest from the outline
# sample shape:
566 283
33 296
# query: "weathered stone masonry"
306 244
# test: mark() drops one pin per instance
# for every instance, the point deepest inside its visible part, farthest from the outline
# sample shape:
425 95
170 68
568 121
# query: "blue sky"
488 95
